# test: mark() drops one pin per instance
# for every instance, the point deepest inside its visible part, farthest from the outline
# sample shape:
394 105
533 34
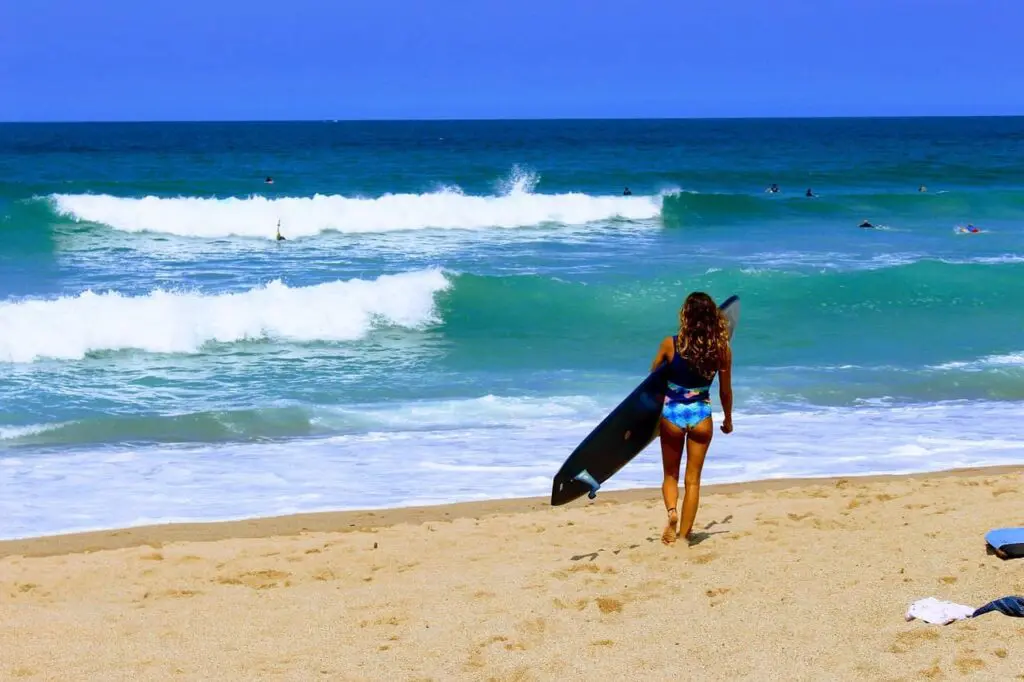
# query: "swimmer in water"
279 237
922 188
774 189
269 180
865 224
970 229
627 193
810 194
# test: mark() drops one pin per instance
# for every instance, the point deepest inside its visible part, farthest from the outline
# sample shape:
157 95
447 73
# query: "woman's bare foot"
669 535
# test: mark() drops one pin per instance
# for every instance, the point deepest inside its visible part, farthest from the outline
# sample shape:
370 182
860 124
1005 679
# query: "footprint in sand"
968 664
172 594
905 641
577 605
257 580
705 558
714 593
391 621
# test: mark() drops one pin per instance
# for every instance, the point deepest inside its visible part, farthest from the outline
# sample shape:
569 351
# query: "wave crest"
182 322
448 208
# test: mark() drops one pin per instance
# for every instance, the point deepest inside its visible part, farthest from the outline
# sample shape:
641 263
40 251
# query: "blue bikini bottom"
686 407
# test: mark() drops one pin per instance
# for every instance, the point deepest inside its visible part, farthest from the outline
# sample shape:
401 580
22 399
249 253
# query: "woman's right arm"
725 389
664 353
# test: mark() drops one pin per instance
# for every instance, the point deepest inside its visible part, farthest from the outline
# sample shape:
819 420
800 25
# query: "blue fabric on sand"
1008 606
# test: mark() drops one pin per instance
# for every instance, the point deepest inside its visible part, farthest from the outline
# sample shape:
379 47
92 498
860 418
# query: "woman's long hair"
703 334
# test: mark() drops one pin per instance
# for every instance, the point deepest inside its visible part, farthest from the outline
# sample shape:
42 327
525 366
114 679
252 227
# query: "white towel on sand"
932 610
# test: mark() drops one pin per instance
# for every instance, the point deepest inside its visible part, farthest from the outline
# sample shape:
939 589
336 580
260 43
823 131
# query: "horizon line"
508 120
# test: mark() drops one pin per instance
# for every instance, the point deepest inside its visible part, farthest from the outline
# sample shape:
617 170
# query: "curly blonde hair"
703 333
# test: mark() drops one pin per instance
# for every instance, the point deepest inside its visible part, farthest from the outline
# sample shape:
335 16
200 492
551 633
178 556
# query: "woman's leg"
671 455
698 439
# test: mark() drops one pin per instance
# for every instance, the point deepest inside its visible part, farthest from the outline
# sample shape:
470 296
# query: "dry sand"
794 580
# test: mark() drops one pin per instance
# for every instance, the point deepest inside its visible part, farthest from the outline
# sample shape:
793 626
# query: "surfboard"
623 434
1007 542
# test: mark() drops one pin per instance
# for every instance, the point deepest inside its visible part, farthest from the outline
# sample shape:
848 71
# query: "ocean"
458 304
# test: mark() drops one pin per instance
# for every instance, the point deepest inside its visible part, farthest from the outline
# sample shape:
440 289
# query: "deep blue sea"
458 304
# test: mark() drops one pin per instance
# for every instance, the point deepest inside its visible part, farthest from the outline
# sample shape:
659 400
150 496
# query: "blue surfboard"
1008 542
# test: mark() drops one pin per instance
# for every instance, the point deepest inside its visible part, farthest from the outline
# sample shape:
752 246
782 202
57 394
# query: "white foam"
15 432
49 492
181 322
257 216
987 362
826 260
489 410
785 261
1004 259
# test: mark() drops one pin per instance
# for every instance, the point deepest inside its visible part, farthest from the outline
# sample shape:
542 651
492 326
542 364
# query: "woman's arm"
725 389
664 353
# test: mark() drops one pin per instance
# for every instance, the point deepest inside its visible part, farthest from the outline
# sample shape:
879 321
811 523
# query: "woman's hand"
725 390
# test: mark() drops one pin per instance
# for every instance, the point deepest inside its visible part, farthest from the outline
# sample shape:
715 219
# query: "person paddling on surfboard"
694 356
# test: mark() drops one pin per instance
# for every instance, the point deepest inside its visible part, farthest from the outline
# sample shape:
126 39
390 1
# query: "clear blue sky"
325 59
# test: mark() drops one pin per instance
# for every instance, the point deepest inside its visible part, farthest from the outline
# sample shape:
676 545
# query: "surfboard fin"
585 477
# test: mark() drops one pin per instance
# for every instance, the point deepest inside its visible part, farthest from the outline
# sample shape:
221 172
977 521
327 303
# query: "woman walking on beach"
694 356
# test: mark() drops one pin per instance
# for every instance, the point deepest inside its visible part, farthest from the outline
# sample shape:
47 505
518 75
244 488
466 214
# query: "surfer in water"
695 355
279 237
627 193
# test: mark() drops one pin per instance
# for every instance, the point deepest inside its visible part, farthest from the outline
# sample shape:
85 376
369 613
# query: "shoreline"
157 535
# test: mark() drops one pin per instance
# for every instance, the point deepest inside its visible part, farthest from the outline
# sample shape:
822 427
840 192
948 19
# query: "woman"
694 356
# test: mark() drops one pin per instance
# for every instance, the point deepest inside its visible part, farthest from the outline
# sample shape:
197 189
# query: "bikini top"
685 383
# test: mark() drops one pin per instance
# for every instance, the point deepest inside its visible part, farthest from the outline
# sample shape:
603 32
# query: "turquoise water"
459 303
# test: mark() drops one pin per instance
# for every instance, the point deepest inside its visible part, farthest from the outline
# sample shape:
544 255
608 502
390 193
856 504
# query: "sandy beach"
795 580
